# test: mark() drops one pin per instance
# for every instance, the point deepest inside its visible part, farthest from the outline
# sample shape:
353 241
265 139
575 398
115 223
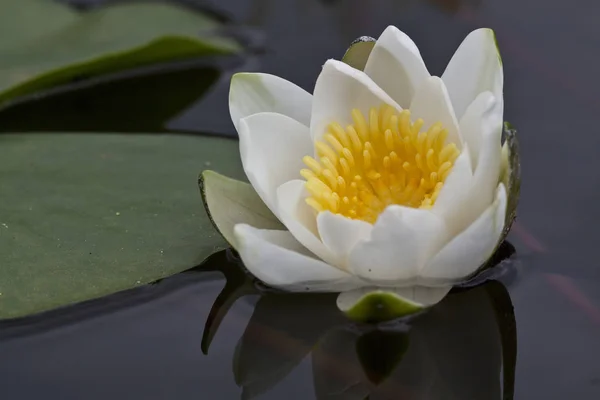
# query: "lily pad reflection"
462 348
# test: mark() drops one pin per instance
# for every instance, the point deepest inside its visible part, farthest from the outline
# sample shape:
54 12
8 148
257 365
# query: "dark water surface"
148 344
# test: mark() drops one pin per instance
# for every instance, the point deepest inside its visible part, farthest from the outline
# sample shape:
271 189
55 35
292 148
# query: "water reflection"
463 348
141 100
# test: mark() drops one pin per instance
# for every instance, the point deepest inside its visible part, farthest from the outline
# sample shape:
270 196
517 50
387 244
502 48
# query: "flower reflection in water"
462 348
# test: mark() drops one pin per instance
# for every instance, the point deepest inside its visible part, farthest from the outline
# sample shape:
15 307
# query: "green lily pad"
229 202
45 44
385 304
86 215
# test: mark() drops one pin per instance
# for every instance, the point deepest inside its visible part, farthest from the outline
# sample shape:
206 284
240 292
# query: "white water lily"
386 178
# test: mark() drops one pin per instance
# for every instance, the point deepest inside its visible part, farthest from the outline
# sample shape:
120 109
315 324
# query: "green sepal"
358 53
511 175
229 202
372 305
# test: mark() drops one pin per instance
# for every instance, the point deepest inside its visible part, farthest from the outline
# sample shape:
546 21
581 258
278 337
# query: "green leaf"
86 215
229 202
385 304
358 53
45 44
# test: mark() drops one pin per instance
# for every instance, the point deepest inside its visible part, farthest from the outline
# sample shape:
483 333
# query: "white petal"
481 116
271 147
252 93
300 219
340 234
450 202
475 67
471 248
339 89
403 239
277 259
461 202
395 64
487 173
432 104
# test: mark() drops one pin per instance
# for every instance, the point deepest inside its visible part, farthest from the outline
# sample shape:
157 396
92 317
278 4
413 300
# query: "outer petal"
341 234
339 89
471 248
432 104
487 173
403 239
271 147
475 67
463 200
481 116
301 220
277 259
395 64
252 93
456 186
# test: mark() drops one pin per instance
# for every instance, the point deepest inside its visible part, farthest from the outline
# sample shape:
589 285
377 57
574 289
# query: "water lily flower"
386 180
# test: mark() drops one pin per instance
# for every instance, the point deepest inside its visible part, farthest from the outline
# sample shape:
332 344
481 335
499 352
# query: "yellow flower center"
377 161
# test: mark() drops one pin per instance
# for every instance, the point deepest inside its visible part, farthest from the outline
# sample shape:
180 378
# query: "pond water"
153 342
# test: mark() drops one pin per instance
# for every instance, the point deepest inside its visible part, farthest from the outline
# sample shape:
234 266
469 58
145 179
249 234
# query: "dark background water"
148 345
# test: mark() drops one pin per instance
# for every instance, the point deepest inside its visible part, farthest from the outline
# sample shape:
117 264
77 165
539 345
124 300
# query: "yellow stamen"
379 160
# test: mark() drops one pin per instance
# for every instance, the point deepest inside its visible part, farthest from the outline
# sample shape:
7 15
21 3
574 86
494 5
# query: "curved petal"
402 241
395 64
450 202
271 147
487 173
432 104
340 89
475 67
470 249
481 116
277 259
252 93
301 220
340 234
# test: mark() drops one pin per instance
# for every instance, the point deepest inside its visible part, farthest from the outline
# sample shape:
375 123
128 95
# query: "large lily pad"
85 215
44 43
